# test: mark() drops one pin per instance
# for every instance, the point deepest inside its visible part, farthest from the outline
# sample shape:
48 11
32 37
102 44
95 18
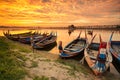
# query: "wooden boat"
114 48
37 37
97 56
46 42
12 37
74 48
15 37
90 32
71 29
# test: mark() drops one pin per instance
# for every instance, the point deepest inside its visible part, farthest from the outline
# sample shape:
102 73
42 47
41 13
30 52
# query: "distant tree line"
69 27
118 26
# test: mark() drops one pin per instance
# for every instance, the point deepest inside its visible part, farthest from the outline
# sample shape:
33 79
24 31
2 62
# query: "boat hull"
114 49
46 43
116 63
116 58
70 50
98 56
92 63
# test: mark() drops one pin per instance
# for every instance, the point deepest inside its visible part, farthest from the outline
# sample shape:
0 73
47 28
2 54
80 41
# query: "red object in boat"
103 45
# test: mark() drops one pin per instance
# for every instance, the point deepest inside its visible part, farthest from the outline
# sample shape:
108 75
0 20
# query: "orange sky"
59 13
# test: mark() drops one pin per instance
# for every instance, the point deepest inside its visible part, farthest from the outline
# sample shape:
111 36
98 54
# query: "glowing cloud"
59 12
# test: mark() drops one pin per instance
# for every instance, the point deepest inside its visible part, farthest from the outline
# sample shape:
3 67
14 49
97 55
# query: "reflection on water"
70 31
66 38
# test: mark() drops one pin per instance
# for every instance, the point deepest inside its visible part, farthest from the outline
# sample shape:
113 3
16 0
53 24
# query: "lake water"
66 38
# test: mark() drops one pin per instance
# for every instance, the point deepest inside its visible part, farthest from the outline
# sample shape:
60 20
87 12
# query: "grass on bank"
75 66
10 67
40 78
34 64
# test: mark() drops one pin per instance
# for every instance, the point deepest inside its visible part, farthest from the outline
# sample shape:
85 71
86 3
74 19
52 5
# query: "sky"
58 13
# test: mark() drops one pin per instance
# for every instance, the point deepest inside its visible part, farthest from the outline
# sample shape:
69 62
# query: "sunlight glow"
59 12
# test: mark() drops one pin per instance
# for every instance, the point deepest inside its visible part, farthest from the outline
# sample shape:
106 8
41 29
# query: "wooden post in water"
32 43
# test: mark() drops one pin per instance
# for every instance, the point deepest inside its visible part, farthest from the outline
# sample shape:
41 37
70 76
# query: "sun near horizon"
48 13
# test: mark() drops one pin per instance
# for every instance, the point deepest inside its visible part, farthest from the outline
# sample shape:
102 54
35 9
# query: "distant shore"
34 28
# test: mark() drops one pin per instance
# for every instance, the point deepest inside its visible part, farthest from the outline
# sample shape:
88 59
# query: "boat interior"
76 45
93 50
116 46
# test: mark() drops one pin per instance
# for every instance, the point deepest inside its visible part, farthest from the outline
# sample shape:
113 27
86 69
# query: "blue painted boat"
36 37
97 56
74 48
47 42
114 48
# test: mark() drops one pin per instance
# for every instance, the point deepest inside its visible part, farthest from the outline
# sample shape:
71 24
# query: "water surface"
66 38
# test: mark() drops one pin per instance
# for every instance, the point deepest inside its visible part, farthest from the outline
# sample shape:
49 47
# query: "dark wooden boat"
46 42
15 37
36 37
74 48
71 29
90 32
97 56
114 48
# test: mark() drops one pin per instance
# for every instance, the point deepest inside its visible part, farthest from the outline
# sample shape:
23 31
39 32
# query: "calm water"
66 38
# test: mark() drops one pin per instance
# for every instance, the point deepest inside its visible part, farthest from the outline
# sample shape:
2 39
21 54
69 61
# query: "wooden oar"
100 38
79 34
93 38
109 43
111 37
85 35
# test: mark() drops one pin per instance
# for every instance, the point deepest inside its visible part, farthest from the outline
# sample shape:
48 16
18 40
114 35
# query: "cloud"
45 1
57 12
8 1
